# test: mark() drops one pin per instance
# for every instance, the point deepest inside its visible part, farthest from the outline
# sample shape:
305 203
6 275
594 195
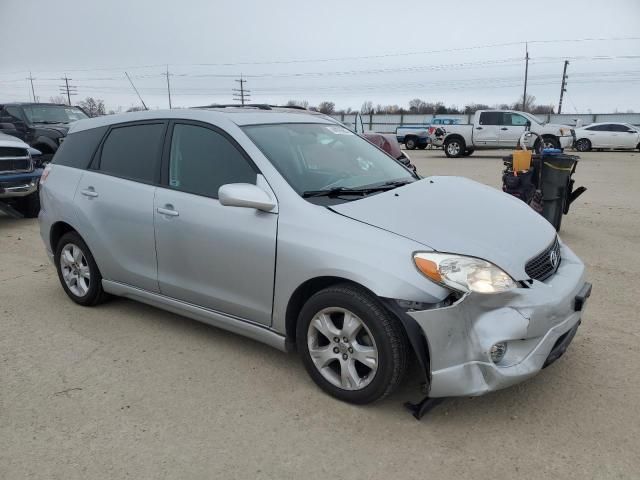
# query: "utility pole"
168 87
67 89
563 88
33 92
526 75
243 93
136 90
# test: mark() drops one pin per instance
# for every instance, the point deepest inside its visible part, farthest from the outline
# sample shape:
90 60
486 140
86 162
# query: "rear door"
597 135
624 138
512 128
214 256
115 203
486 132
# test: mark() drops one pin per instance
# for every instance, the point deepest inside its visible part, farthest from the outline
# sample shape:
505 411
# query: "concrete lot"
128 391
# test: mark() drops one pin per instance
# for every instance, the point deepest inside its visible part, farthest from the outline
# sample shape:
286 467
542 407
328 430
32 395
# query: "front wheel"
583 145
454 147
548 142
351 346
29 206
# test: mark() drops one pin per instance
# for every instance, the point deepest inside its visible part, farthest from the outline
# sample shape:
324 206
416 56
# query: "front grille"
15 164
545 264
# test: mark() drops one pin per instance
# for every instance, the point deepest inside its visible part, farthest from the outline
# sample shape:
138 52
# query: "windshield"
53 113
314 157
531 117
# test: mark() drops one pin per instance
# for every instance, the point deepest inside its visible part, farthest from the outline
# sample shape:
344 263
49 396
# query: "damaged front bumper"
536 323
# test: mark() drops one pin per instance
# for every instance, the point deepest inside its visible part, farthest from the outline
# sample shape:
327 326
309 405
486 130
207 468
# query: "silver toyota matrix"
288 228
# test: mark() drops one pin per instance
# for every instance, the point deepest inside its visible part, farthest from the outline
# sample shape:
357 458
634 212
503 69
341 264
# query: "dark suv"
41 125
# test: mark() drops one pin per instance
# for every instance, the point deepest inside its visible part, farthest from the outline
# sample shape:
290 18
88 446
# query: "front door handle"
478 128
89 192
167 210
504 128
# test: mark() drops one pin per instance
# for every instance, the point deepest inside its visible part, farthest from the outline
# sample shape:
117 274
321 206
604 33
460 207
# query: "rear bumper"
536 323
19 185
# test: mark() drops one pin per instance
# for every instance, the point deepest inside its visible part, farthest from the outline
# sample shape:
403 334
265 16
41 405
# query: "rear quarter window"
78 148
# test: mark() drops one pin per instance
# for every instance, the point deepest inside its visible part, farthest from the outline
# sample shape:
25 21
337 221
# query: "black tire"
583 145
422 147
551 142
468 152
95 294
388 336
410 143
29 206
454 147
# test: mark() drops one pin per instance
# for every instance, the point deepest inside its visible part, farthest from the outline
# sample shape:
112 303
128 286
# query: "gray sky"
347 52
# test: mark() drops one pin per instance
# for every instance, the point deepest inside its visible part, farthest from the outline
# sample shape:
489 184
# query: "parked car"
41 125
413 136
19 176
500 129
607 135
294 231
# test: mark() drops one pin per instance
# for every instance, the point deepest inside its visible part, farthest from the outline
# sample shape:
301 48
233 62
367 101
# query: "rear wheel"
77 271
351 346
410 143
583 145
454 147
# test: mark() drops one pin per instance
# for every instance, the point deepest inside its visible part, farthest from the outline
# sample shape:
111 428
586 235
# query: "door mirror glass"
245 195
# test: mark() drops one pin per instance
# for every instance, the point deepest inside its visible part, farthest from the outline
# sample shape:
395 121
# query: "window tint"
11 115
618 128
515 120
133 151
78 148
491 118
598 128
202 160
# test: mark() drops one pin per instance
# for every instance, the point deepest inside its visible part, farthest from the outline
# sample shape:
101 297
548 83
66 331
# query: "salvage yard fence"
387 123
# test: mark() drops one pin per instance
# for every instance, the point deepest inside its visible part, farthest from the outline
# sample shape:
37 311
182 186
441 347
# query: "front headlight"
465 274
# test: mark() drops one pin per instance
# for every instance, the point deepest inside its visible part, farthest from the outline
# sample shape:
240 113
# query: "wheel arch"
56 232
455 136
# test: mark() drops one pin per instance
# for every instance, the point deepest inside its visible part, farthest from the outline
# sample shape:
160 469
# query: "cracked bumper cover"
531 321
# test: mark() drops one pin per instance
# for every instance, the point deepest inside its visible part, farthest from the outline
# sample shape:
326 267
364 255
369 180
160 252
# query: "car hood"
458 215
11 141
61 128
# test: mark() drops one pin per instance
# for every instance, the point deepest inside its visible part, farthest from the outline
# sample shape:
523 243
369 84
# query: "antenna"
136 90
243 94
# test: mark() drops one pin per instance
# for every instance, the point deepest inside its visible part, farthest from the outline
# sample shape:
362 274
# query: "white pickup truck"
499 129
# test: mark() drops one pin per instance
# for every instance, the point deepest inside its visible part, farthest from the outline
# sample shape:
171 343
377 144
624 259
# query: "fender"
42 140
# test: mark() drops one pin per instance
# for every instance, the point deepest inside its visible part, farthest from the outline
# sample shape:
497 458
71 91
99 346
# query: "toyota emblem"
553 258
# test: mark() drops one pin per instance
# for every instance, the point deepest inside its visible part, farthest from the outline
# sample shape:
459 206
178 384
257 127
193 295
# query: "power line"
136 90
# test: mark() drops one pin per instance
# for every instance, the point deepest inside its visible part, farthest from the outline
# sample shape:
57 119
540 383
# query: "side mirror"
528 124
245 195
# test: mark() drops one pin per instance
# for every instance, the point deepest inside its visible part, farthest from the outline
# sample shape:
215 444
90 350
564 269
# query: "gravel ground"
128 391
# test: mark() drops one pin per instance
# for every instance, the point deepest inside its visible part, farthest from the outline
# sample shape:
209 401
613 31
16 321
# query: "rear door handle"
478 128
167 210
89 192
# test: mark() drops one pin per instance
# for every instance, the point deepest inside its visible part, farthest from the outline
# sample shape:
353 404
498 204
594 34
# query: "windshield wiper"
335 191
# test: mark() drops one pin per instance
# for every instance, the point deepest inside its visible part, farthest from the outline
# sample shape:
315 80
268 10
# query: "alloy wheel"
342 348
75 270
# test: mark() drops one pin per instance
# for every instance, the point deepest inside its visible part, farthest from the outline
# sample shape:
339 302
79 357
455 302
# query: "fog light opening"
498 352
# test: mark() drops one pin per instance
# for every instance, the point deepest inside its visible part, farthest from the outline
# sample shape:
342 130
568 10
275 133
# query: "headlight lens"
465 274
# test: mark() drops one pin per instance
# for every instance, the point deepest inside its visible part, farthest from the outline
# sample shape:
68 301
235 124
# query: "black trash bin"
551 174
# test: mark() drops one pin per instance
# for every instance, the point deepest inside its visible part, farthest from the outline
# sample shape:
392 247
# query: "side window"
619 128
133 151
78 148
598 128
491 118
202 160
608 127
515 120
11 115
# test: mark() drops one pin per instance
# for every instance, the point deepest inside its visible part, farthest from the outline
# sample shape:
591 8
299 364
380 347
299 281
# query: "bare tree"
93 106
367 107
544 109
327 107
136 108
58 99
474 107
529 105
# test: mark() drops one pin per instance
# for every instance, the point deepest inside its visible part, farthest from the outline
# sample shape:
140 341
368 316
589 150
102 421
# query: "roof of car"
21 104
248 115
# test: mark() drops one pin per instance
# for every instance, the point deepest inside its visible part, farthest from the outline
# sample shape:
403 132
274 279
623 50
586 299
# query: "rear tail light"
45 174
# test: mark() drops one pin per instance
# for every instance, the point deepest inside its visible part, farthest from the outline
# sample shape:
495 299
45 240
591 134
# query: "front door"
210 255
512 128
